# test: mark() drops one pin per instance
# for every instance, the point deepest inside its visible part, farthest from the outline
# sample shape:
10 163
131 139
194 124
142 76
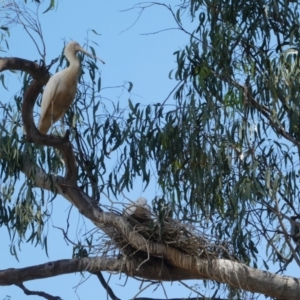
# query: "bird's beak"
89 54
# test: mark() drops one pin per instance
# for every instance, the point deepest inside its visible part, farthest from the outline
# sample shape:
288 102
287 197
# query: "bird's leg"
52 105
62 124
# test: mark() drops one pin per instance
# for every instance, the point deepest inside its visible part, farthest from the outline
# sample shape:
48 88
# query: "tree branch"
53 183
155 269
106 286
41 76
14 63
33 134
222 270
41 294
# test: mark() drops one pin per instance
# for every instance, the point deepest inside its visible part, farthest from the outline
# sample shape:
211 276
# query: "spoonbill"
138 210
60 90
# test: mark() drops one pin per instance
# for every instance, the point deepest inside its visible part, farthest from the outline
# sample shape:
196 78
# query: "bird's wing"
48 95
142 212
130 209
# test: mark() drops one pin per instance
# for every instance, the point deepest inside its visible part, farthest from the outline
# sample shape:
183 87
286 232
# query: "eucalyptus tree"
223 149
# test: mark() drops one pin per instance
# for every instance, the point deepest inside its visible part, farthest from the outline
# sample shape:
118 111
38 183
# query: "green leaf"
95 32
93 50
178 16
2 81
130 86
50 7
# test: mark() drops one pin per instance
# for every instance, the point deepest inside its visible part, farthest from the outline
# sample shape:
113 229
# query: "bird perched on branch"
138 210
61 88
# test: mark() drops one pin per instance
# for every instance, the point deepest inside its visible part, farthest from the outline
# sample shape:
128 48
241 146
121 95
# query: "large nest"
173 233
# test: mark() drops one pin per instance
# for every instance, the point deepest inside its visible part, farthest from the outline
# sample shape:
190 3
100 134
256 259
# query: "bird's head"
141 201
73 47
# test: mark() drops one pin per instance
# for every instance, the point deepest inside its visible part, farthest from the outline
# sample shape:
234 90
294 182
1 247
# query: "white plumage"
138 209
61 88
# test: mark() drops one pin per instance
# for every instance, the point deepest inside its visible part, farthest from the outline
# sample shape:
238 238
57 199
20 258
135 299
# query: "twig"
36 293
135 297
148 257
106 286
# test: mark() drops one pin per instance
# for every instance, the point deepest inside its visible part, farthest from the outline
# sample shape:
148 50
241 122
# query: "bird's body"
60 90
138 210
62 93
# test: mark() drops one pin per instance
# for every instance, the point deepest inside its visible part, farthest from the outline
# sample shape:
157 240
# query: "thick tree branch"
152 270
33 134
233 273
14 63
53 183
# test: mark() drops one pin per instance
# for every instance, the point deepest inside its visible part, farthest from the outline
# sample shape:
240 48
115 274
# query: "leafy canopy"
224 150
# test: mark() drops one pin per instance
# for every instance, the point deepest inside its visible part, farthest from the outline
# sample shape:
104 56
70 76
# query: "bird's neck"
73 68
72 72
74 62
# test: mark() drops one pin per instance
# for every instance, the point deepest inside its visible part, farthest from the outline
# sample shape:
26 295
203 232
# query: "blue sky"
144 60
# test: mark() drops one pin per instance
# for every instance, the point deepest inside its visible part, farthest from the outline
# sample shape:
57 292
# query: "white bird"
61 88
138 210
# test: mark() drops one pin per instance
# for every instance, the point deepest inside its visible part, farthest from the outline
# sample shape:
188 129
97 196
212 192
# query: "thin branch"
285 232
35 293
106 286
30 22
141 290
262 109
146 5
136 20
159 31
193 290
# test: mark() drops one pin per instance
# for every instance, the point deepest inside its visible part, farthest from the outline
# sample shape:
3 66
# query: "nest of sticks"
184 237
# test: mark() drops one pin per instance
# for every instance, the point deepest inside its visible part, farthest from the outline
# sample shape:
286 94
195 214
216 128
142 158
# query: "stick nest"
173 233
